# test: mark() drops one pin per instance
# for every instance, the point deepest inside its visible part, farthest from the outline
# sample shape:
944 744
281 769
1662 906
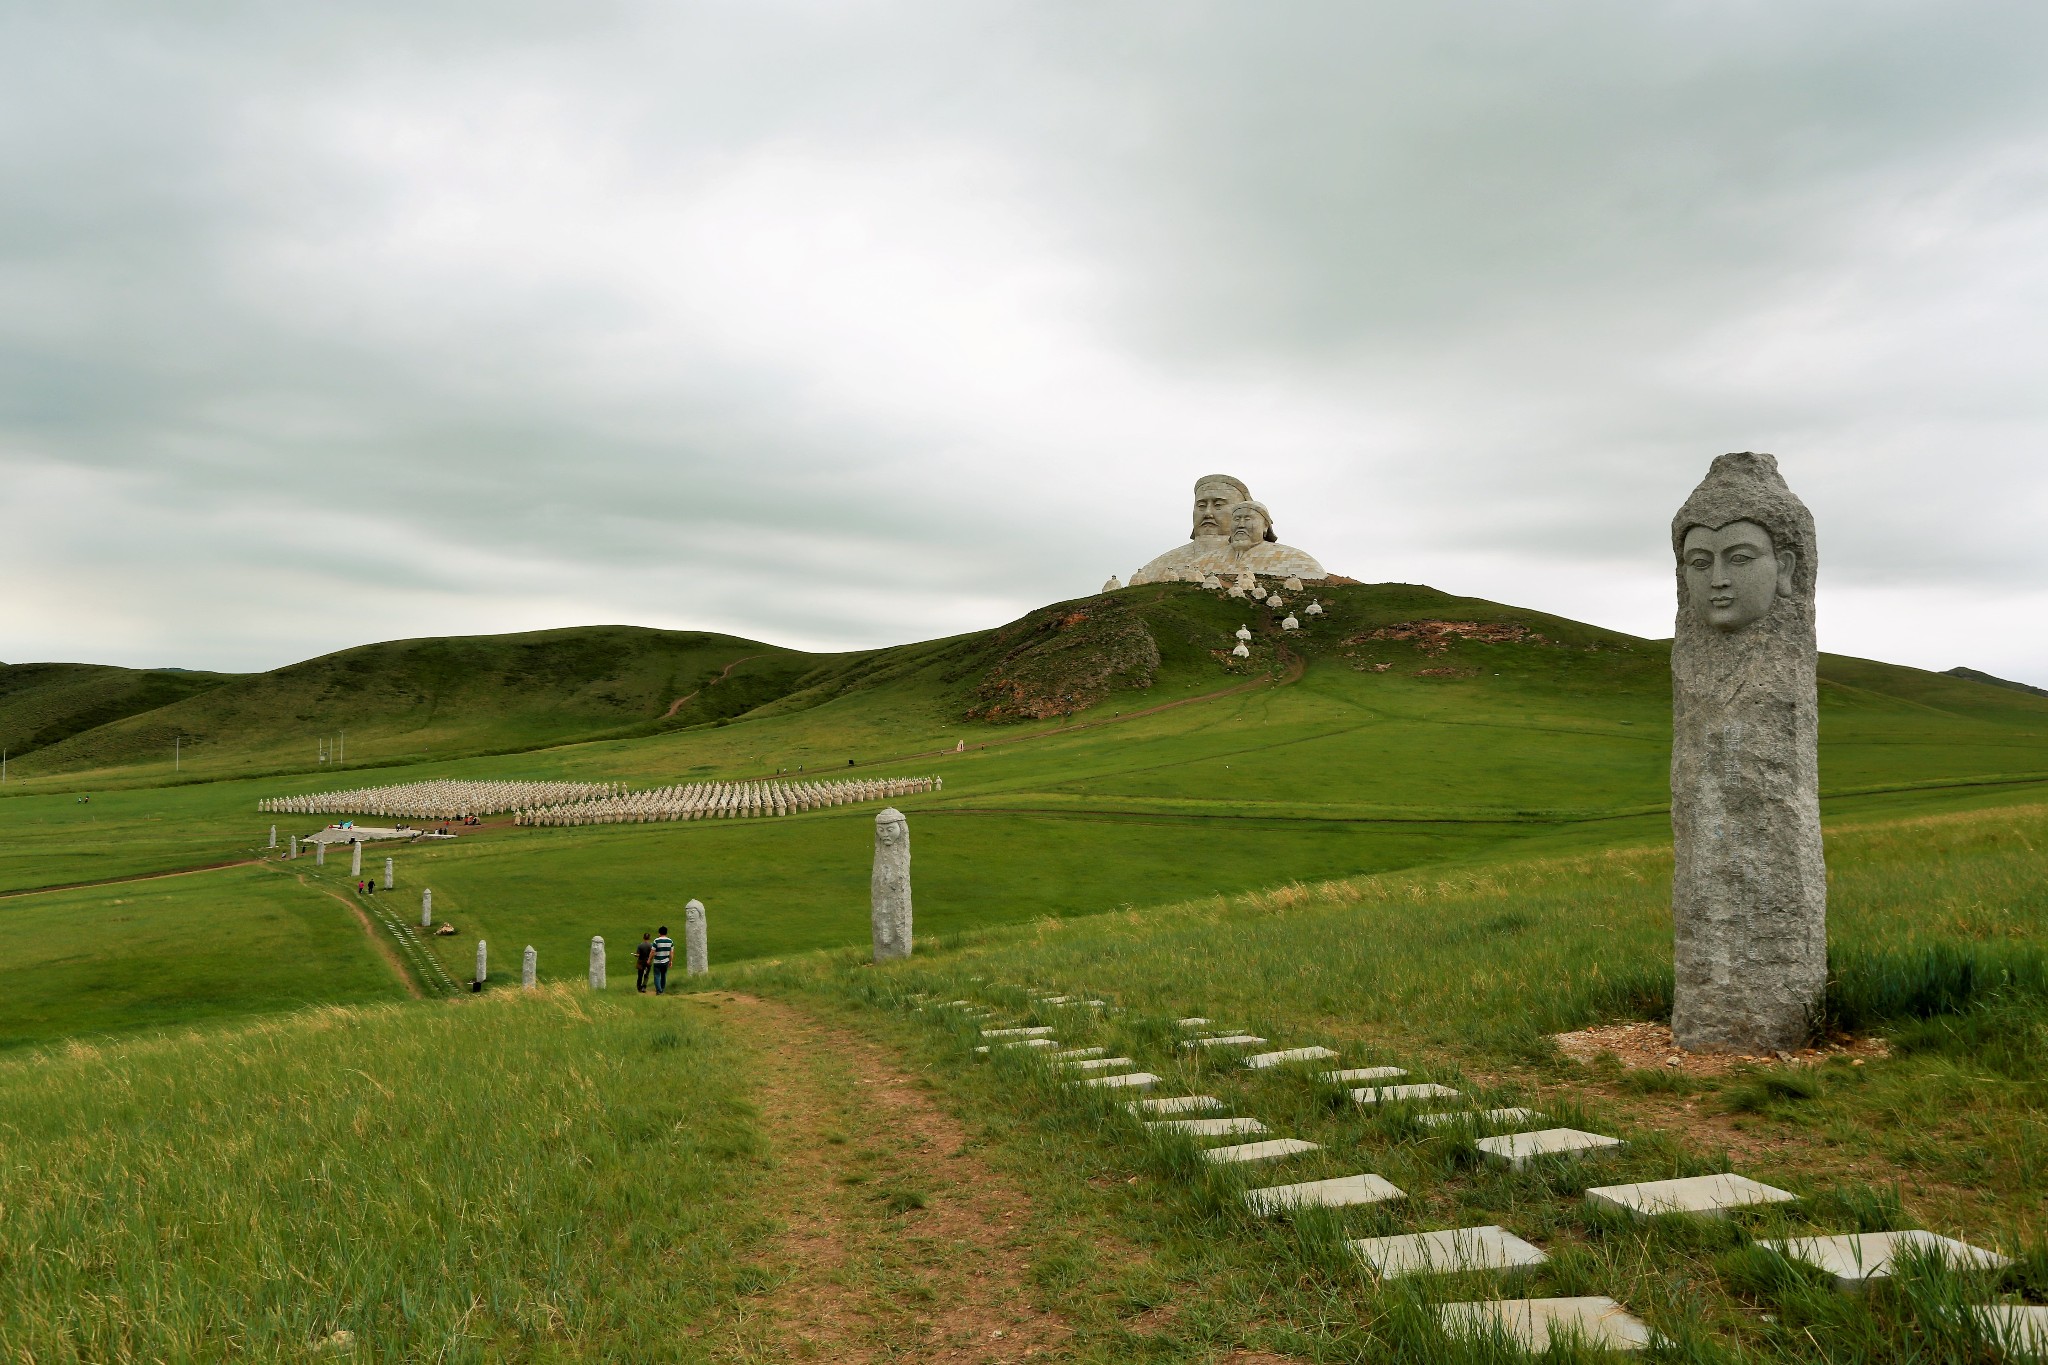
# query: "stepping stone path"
1240 1127
1343 1192
1225 1040
1530 1323
1135 1080
1361 1073
1278 1149
1860 1257
1294 1054
1517 1150
1477 1117
1450 1252
1179 1104
1391 1094
1709 1196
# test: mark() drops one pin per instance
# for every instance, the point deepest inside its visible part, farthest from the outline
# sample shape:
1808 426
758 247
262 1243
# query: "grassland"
1459 976
175 950
541 1177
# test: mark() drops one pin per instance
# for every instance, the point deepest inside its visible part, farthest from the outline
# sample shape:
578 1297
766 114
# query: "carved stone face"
889 831
1247 526
693 913
1213 502
1733 575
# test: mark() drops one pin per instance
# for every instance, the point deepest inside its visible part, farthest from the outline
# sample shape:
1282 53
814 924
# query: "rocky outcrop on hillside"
1059 660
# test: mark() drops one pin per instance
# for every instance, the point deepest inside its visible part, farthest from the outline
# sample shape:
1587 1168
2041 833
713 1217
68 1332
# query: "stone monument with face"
1254 548
696 942
1215 495
1749 886
889 889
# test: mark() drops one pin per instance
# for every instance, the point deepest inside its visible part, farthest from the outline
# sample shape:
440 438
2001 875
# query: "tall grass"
532 1176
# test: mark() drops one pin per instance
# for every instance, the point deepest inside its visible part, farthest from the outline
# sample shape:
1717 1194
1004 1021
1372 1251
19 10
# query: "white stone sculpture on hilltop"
1112 585
1243 650
1232 535
1314 608
1290 624
1244 632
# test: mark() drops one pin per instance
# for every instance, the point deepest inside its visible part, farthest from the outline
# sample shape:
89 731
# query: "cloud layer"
848 324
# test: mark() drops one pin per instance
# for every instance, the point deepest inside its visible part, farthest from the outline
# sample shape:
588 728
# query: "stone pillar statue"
355 859
427 908
529 969
696 945
320 853
483 960
889 889
390 873
597 973
295 846
1749 888
273 836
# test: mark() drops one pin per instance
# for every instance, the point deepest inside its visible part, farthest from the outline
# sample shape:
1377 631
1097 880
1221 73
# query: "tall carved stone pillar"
889 890
1749 887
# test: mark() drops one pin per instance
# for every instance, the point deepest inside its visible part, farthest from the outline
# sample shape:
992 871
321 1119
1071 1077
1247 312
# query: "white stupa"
1314 608
1243 650
1290 623
1244 633
1112 585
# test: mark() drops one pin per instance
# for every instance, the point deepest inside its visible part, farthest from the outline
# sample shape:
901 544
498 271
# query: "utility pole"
3 767
177 754
344 748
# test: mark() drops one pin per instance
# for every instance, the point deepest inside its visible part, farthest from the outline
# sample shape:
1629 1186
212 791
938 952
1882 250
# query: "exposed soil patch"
1436 637
901 1243
1651 1045
1056 662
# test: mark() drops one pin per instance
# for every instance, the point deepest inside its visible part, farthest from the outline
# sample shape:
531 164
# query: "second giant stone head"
1250 524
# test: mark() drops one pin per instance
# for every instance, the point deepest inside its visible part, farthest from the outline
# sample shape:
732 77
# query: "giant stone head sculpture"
1215 495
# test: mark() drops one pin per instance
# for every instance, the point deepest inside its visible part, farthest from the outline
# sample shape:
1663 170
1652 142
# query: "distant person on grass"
643 954
664 949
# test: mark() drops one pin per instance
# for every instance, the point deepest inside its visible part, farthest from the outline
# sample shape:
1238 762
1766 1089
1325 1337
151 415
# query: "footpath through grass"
553 1177
1458 976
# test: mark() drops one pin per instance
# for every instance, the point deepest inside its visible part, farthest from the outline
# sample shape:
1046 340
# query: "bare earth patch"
1651 1045
901 1244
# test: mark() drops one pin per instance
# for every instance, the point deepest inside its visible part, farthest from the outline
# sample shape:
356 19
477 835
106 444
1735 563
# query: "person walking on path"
664 949
643 954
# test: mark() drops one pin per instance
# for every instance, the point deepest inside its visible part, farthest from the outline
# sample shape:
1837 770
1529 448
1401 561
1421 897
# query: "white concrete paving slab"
1533 1323
2019 1329
1095 1064
1177 1104
1477 1118
1402 1094
1235 1127
1707 1196
1225 1040
1517 1150
1130 1080
1054 999
1858 1258
1276 1149
1075 1054
1036 1031
1019 1042
1342 1192
1452 1251
1263 1060
1353 1074
1193 1021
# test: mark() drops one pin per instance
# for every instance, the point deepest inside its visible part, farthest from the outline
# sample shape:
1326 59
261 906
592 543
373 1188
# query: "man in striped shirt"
664 949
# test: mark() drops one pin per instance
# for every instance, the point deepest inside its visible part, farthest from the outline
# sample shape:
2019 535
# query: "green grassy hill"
45 704
409 700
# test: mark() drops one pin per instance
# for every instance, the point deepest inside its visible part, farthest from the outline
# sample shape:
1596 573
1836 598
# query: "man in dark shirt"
664 949
642 955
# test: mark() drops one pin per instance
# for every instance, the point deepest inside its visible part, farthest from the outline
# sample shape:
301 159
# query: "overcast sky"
848 324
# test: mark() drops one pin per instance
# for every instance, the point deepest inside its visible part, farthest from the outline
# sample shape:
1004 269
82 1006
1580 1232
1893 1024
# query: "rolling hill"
42 705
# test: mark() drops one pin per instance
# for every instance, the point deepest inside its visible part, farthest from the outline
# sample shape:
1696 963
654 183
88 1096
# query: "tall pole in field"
177 758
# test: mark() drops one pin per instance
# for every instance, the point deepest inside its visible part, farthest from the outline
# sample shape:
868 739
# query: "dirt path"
724 673
131 877
383 948
901 1243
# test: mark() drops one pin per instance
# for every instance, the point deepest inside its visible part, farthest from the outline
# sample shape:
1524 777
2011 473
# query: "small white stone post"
483 960
320 853
529 969
427 908
696 948
295 846
390 873
273 836
355 858
889 888
597 975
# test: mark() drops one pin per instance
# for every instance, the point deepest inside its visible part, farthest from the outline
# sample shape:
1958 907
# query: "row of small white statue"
696 956
1244 635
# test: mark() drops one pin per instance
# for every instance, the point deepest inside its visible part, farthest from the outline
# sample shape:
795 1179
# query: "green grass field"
1429 852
